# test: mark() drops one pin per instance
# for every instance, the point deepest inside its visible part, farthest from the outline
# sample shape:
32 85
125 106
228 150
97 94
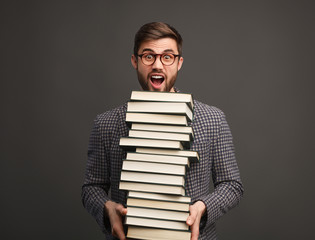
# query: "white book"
132 117
152 178
152 188
183 137
137 232
147 222
161 107
158 204
130 165
162 97
192 155
161 197
130 142
157 158
163 128
157 213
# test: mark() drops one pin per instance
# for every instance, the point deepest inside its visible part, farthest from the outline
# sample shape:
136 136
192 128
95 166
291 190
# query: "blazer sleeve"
228 188
97 179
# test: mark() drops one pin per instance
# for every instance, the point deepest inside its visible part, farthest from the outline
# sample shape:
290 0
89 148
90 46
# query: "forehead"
159 45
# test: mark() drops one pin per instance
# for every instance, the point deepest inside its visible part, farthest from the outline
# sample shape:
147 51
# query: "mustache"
156 71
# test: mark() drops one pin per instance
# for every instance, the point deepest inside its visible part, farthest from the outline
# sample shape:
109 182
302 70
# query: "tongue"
157 81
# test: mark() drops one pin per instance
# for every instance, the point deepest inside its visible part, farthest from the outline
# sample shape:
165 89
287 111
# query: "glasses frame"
155 55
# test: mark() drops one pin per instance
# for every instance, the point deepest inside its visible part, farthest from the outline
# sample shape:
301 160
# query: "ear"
134 61
180 63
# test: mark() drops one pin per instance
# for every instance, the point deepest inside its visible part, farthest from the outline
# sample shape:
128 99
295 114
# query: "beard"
166 85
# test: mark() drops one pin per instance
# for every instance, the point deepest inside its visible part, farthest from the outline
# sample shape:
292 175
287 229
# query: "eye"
148 57
167 57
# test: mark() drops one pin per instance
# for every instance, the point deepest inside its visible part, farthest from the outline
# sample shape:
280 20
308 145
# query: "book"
182 137
161 197
157 223
138 232
132 117
192 155
152 178
131 143
161 107
163 128
157 213
152 188
151 167
145 157
162 97
159 204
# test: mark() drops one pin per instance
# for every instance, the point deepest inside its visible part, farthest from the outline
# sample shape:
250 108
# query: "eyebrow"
150 50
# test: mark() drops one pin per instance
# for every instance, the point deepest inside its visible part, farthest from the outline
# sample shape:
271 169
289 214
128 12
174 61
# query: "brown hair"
155 31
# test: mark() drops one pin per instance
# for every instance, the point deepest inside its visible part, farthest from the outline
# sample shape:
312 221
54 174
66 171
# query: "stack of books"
156 163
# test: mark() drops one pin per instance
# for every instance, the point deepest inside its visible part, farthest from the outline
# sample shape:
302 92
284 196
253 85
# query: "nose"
157 64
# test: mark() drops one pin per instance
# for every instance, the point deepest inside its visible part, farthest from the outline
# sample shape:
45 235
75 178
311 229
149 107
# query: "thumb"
121 210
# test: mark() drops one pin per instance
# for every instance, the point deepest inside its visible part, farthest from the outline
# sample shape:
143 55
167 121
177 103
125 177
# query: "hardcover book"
161 107
151 167
157 223
132 143
184 138
159 178
157 213
192 155
138 232
163 128
158 204
132 117
162 197
145 157
152 188
162 97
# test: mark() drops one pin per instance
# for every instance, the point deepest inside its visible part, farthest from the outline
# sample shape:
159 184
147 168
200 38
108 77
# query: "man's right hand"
115 213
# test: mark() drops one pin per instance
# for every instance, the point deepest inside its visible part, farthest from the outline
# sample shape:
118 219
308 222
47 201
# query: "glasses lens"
167 59
148 59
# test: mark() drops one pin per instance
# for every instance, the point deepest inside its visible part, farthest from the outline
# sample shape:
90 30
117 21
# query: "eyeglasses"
166 58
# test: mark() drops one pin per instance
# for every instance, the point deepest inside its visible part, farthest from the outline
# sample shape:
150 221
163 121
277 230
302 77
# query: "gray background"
63 62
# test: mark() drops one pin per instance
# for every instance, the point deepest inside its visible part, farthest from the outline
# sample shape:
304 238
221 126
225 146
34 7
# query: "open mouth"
156 80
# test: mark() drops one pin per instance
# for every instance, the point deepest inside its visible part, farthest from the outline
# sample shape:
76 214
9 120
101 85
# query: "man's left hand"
196 211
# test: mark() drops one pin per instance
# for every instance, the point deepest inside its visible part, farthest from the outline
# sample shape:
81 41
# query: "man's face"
157 77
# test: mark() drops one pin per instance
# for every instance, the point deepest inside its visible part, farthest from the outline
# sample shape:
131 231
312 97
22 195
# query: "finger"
194 232
192 216
121 235
118 231
195 229
115 216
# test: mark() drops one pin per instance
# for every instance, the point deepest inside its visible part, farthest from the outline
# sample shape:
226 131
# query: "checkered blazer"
213 141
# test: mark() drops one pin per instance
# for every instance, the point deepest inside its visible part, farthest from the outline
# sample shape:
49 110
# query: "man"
157 59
